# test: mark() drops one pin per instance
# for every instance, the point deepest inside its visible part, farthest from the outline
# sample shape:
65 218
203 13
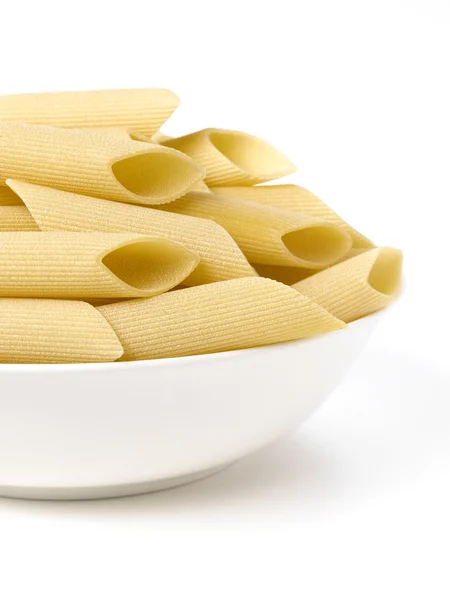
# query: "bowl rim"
6 368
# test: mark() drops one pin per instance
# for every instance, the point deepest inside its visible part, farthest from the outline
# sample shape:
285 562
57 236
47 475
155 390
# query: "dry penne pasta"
297 199
268 235
8 197
55 331
159 137
144 110
358 286
286 275
228 315
291 275
220 257
84 265
352 253
120 242
103 302
126 133
233 157
95 163
201 187
16 218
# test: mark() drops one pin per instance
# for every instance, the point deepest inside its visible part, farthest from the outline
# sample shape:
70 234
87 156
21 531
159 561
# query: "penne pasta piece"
143 109
291 275
8 197
159 137
201 187
286 275
233 157
103 302
84 265
352 253
55 331
95 163
220 257
16 218
126 133
357 287
267 235
297 199
229 315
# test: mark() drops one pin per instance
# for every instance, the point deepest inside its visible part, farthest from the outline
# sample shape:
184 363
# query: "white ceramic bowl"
105 430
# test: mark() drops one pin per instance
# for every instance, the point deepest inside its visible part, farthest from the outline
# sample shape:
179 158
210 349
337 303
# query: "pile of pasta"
118 242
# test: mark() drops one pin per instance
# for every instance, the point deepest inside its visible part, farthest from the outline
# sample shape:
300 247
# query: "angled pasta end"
160 137
323 320
157 175
233 157
24 192
148 266
259 160
385 276
168 97
111 341
317 245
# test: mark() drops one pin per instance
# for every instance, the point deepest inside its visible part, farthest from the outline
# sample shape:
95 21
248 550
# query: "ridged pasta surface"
94 163
143 109
220 257
62 264
228 315
356 287
297 199
268 235
55 331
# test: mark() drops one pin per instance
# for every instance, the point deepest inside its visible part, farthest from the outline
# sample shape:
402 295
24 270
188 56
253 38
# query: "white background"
356 504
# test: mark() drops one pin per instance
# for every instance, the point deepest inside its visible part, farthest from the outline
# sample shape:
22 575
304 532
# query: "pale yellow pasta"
8 197
201 187
268 235
159 137
358 286
220 257
291 275
295 198
103 302
286 275
233 157
229 315
352 253
126 133
55 331
144 109
84 265
94 163
16 218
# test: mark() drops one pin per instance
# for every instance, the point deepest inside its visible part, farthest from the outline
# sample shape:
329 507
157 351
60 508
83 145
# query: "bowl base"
107 491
